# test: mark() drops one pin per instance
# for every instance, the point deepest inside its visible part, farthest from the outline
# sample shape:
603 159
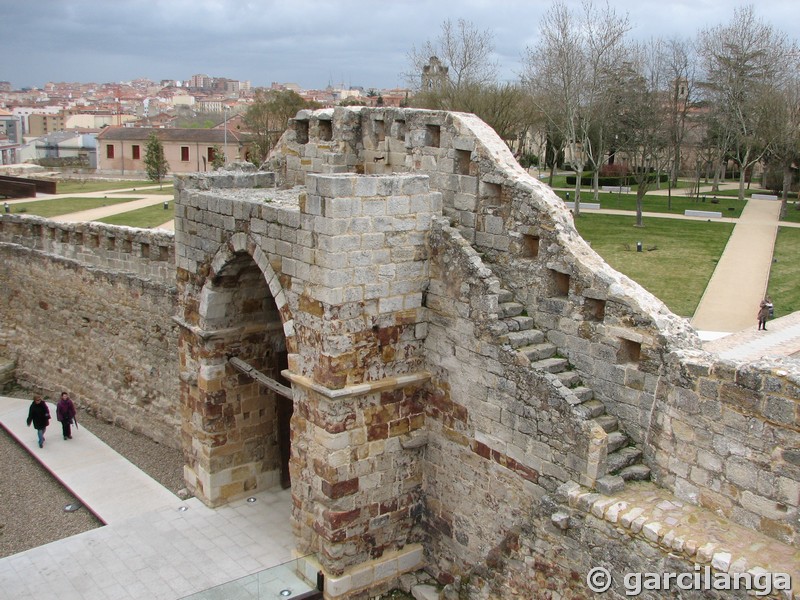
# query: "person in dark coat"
65 412
39 415
763 315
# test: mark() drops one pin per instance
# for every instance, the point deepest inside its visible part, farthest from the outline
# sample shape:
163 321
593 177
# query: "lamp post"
225 136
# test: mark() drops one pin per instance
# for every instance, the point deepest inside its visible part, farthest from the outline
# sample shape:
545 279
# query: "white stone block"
398 205
366 186
390 305
613 512
627 519
341 208
652 531
721 561
336 587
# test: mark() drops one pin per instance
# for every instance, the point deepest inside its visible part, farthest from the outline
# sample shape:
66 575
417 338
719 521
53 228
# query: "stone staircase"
624 459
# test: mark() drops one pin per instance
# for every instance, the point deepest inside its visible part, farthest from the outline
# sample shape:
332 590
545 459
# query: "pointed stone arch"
236 431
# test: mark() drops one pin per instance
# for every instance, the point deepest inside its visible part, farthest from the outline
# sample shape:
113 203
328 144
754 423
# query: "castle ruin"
399 323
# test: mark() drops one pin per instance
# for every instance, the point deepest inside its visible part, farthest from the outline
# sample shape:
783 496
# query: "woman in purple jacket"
65 412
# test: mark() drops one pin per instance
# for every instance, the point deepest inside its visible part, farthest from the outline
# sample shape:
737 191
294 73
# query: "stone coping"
359 389
365 575
697 534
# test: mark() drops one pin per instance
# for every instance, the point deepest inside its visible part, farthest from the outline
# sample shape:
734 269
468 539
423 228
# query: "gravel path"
32 501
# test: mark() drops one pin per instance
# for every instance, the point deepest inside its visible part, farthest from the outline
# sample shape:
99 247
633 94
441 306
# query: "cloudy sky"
311 42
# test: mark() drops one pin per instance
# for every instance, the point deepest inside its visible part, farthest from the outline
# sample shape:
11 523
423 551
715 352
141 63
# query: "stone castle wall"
722 435
88 309
466 372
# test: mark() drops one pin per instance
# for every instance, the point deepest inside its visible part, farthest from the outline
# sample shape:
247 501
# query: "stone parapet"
142 252
653 515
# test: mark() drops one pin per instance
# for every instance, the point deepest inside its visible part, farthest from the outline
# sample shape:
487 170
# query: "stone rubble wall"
87 308
636 355
509 429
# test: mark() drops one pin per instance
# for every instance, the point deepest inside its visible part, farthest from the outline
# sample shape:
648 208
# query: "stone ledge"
368 574
361 389
697 534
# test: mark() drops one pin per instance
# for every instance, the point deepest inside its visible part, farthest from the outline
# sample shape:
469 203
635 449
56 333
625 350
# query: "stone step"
616 440
570 379
504 296
624 457
551 365
609 423
521 323
526 337
638 472
591 409
510 309
538 352
584 393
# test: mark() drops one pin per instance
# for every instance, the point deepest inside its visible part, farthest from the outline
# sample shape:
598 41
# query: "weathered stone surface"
395 326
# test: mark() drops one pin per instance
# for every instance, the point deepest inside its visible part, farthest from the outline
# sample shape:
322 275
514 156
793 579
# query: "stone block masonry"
456 355
87 308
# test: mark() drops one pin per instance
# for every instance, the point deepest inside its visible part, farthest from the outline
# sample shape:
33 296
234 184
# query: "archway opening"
247 423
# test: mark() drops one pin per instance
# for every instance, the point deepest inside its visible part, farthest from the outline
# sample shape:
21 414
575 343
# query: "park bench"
586 205
764 197
620 189
711 214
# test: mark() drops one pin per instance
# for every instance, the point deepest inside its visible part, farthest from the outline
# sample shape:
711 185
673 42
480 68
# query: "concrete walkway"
153 546
142 200
739 282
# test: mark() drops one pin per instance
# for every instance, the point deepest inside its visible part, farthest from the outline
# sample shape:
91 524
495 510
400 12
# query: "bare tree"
679 62
568 73
644 132
742 63
267 117
466 53
784 154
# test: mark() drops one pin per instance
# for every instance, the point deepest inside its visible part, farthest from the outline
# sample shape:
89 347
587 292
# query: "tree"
218 160
784 154
679 69
267 117
643 132
743 62
154 161
569 73
465 54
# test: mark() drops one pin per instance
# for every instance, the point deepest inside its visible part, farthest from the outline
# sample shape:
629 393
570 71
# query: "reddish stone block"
340 489
481 449
337 519
527 473
377 432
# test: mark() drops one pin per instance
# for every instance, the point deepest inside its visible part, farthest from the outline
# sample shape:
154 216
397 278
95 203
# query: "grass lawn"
792 212
729 207
63 206
785 271
75 186
150 216
678 258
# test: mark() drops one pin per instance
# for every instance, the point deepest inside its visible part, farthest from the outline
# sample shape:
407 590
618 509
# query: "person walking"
39 415
763 315
65 412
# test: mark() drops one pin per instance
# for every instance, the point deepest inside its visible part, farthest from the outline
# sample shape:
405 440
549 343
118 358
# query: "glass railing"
288 581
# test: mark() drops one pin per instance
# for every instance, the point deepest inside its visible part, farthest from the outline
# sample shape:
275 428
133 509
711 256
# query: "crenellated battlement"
144 252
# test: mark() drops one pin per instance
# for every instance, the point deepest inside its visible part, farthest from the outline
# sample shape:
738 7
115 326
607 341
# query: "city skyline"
314 43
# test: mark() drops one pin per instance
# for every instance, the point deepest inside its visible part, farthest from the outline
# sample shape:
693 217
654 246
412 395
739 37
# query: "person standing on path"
39 415
65 412
763 315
